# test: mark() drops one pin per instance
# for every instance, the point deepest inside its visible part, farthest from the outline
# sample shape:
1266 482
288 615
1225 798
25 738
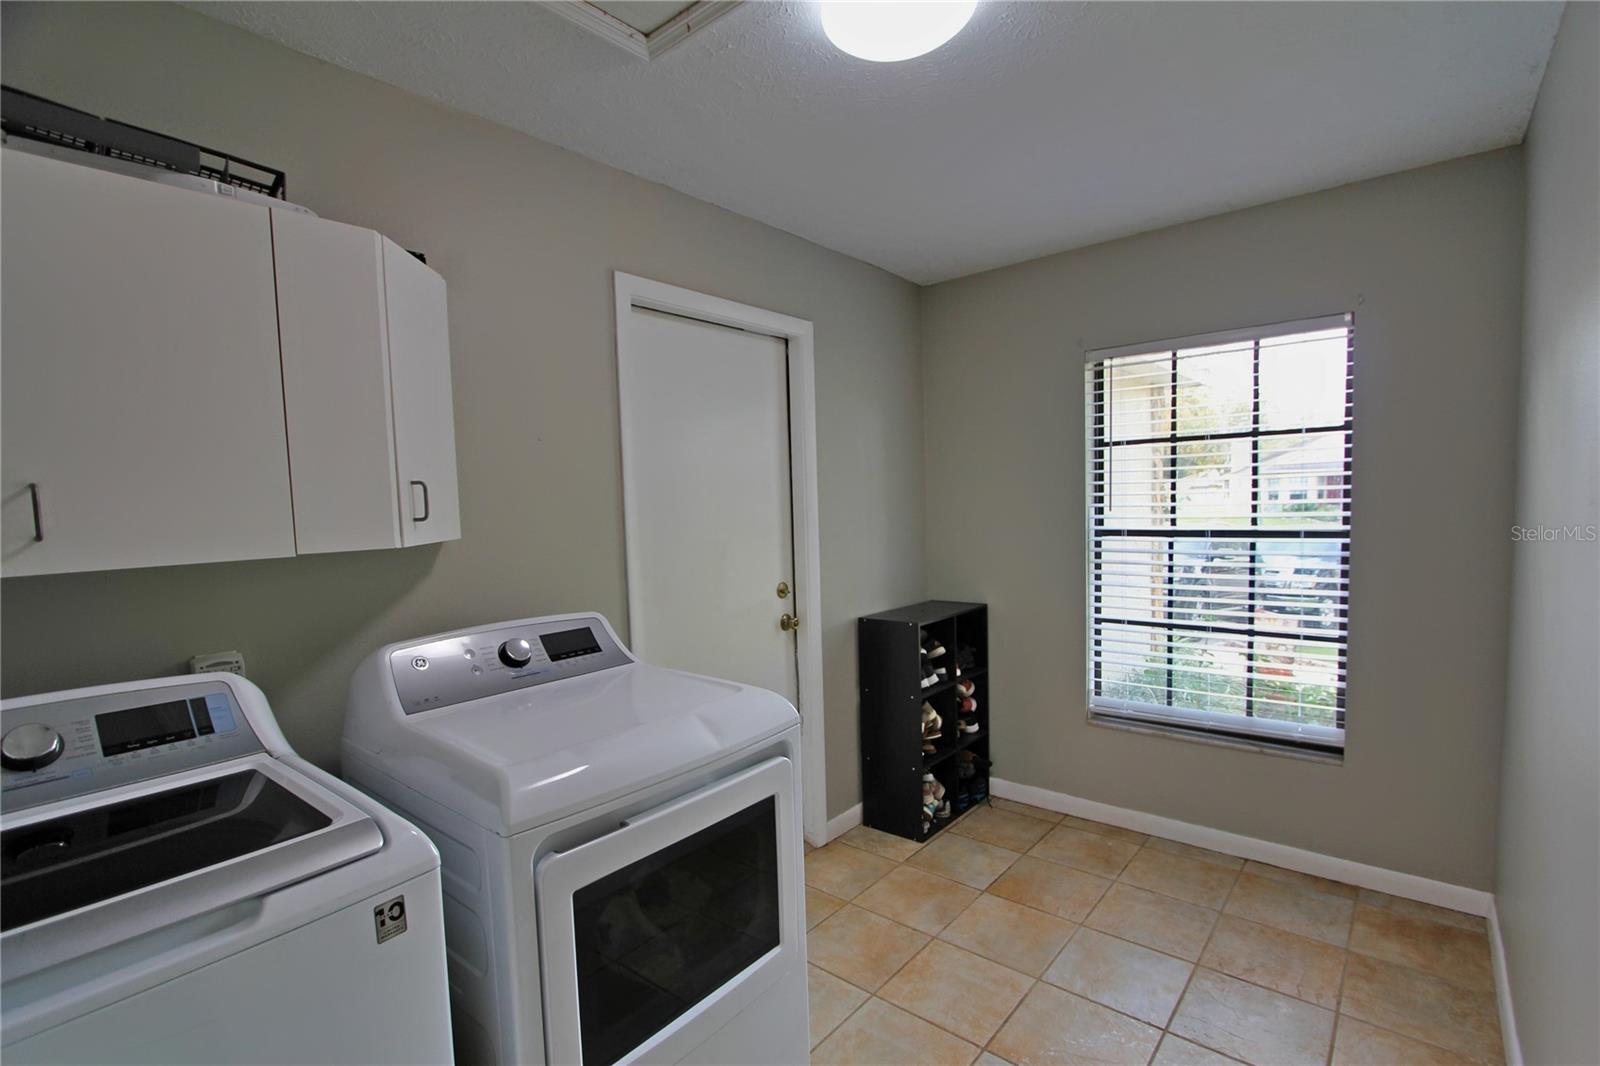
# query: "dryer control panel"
449 670
56 749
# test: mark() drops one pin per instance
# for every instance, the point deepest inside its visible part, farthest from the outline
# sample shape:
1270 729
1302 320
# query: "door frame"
632 292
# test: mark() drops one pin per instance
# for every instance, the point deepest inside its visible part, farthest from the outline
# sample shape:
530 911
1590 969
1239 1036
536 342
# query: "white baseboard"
841 824
1395 883
1502 989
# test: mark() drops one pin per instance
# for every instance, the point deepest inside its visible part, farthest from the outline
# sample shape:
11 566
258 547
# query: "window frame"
1207 725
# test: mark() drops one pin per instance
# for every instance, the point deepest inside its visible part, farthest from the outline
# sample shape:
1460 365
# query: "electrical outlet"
228 662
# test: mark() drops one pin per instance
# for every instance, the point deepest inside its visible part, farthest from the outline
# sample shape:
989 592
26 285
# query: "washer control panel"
53 750
451 670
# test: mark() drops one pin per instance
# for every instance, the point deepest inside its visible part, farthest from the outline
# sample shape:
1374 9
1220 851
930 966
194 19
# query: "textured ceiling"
1041 127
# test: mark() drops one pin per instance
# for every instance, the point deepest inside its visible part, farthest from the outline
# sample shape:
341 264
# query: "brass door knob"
789 623
783 590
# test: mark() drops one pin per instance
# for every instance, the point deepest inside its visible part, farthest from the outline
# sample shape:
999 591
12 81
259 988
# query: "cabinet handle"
38 524
427 508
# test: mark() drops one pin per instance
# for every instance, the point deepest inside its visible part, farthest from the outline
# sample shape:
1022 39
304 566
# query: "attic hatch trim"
669 34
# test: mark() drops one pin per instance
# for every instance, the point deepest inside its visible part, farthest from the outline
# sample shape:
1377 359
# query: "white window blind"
1219 532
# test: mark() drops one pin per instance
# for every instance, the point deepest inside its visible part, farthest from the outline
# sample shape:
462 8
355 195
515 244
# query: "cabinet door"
424 418
336 384
142 396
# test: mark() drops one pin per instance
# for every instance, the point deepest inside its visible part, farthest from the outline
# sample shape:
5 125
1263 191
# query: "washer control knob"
516 653
30 747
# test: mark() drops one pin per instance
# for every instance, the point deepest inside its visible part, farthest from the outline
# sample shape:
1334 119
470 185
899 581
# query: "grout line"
1338 1004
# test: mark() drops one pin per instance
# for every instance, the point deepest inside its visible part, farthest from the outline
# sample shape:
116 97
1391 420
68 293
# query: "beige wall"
1430 262
1548 881
527 235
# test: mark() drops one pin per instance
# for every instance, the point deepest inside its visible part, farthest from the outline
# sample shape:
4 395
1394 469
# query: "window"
1219 532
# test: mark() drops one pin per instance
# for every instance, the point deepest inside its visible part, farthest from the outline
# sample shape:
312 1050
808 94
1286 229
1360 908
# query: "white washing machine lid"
79 876
540 751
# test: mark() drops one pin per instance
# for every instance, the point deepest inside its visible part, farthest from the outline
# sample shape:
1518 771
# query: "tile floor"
1022 936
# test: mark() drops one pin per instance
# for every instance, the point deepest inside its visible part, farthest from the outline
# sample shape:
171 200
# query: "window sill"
1264 747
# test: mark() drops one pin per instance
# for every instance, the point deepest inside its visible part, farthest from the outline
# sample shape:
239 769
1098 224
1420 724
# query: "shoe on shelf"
931 647
943 810
965 688
931 722
967 705
928 747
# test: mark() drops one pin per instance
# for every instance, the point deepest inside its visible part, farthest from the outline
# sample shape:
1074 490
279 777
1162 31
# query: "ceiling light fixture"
888 31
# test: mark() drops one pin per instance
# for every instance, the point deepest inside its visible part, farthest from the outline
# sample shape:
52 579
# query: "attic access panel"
645 28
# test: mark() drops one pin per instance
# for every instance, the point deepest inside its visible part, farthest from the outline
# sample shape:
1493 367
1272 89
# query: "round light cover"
888 31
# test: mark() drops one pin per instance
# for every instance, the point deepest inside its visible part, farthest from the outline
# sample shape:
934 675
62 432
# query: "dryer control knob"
30 747
516 653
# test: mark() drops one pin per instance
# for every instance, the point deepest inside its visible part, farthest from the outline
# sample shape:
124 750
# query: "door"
424 411
336 393
143 404
656 934
706 467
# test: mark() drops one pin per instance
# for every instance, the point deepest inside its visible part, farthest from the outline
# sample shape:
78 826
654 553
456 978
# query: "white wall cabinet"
366 380
142 403
424 416
193 379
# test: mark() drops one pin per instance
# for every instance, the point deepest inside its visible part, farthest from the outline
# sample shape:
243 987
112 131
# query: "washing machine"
622 859
179 887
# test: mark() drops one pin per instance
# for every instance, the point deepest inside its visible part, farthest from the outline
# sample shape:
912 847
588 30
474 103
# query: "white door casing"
704 411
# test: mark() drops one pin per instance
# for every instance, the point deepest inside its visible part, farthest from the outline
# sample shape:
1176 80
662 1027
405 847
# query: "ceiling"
1041 127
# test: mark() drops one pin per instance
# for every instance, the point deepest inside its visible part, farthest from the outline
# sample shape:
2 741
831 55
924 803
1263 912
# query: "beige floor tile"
1025 808
1176 1051
896 849
1292 908
1216 858
884 1034
1324 885
989 1058
1115 832
1294 965
957 990
1009 933
917 898
1161 922
861 947
843 871
1460 956
832 1001
1423 1007
972 862
1384 901
819 905
1087 851
1358 1044
1252 1023
1015 832
1058 1028
1127 977
1049 886
1180 877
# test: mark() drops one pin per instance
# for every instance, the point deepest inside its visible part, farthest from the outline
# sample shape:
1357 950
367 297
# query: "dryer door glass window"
56 866
656 937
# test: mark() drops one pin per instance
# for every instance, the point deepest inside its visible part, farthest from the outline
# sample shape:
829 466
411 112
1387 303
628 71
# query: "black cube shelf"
891 668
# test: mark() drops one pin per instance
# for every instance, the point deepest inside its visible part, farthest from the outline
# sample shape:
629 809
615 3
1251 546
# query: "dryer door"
654 936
